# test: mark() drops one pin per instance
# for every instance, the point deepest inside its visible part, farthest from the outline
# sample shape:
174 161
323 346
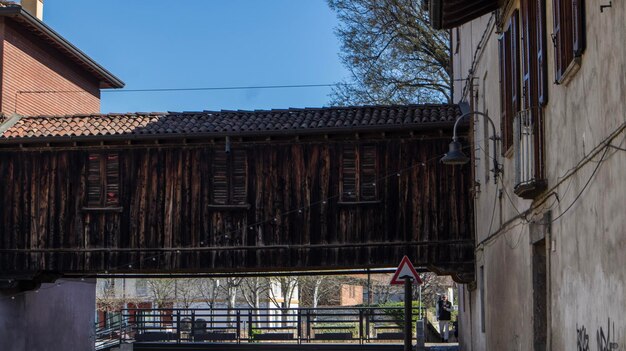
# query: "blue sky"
206 43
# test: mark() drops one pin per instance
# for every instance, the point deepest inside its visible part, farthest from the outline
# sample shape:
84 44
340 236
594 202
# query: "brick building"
41 72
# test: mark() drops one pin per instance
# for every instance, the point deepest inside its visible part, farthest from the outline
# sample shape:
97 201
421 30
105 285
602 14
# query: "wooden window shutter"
503 83
515 60
527 52
348 174
510 76
368 172
239 177
94 181
220 178
578 27
542 66
112 187
556 37
103 180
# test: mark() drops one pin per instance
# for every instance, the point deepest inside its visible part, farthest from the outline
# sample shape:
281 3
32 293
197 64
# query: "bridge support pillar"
57 316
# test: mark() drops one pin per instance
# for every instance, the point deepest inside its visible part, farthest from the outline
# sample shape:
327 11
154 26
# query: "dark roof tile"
311 120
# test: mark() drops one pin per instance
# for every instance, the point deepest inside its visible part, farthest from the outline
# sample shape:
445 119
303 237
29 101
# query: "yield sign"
405 269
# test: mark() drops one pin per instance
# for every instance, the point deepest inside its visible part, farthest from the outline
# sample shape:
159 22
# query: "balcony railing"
529 154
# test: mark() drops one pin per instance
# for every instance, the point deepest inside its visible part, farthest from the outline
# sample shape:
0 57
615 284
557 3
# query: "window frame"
235 191
569 37
510 84
107 182
365 174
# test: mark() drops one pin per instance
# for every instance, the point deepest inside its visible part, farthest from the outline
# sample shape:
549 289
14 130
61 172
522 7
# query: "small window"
358 173
103 180
568 35
229 179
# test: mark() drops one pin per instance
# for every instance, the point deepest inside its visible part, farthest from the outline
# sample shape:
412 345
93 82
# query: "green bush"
398 314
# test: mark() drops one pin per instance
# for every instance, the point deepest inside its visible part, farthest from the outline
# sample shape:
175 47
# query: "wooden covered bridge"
297 189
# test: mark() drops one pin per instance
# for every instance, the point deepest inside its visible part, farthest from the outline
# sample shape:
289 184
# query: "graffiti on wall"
605 338
582 339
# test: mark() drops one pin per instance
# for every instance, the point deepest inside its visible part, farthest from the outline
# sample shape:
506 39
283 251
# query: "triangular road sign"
405 269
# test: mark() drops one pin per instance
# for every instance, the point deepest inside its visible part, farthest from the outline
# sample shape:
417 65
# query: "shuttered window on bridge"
103 180
229 178
358 173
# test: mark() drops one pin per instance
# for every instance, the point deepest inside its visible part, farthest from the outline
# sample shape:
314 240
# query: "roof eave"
454 13
107 79
212 135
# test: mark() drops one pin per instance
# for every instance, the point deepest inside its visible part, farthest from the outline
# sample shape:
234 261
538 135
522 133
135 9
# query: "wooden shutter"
516 97
542 66
556 37
368 173
527 53
94 181
220 178
504 99
103 180
578 27
112 187
510 87
239 177
348 174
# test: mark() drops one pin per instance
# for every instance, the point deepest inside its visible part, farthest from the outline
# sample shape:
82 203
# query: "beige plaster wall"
587 263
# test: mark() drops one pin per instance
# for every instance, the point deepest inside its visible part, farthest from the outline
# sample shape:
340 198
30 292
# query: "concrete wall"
586 279
55 318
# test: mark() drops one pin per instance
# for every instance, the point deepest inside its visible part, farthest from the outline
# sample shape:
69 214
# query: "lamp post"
455 155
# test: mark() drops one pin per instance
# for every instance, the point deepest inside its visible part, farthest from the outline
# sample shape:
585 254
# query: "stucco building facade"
550 229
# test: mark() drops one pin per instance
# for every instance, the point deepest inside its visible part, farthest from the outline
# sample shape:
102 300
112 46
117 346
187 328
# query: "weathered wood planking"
293 217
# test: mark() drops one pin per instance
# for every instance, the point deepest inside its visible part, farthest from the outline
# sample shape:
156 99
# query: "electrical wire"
294 86
584 187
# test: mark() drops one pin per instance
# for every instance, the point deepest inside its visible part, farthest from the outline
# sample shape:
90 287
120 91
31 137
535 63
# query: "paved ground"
442 347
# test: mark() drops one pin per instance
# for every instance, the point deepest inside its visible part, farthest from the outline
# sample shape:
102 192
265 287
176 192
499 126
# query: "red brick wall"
29 64
351 295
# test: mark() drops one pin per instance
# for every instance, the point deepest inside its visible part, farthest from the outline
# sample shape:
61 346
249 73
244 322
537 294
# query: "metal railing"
247 325
111 332
528 146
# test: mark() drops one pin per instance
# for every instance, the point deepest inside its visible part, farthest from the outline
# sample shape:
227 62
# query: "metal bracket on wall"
602 7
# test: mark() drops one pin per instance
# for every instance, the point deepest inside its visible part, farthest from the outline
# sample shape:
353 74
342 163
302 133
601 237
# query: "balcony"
528 145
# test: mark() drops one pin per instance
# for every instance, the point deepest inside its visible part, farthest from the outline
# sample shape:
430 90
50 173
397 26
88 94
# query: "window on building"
568 35
534 66
528 123
481 282
358 173
510 88
229 178
103 180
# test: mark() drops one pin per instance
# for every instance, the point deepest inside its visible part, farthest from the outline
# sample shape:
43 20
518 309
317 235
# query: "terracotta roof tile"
308 120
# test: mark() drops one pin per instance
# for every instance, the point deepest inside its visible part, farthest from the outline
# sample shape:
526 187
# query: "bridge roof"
222 123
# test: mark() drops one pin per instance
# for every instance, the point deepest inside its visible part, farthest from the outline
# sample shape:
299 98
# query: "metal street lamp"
455 155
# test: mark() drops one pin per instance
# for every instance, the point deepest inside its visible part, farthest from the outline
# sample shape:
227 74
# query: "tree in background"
162 291
186 291
318 289
393 54
230 288
253 289
283 290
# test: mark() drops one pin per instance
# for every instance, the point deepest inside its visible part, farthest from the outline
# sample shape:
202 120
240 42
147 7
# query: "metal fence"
247 325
